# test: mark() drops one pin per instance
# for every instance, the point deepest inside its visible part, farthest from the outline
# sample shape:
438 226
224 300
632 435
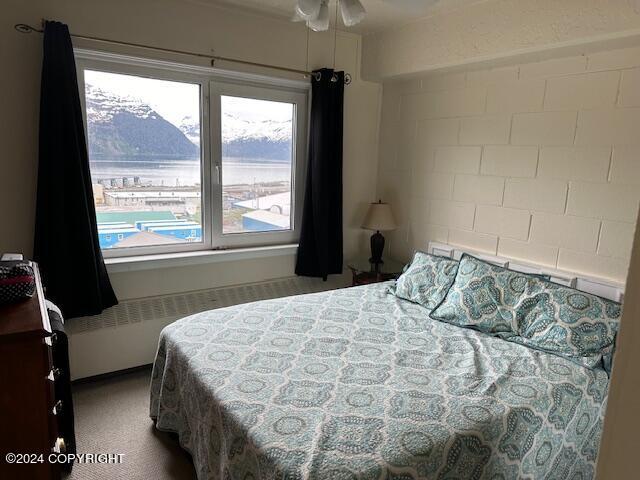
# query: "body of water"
184 172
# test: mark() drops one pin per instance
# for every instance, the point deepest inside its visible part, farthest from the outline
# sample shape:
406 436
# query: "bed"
358 384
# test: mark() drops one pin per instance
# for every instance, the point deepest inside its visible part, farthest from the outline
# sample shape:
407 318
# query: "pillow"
426 280
574 324
484 297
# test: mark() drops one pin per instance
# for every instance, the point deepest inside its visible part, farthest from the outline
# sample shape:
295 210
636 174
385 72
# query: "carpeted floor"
112 416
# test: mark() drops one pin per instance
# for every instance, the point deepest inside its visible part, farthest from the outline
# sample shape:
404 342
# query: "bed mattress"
358 384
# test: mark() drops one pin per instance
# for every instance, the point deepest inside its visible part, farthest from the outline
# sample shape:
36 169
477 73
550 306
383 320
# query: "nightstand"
363 272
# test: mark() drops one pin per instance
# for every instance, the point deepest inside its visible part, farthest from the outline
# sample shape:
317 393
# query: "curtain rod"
24 28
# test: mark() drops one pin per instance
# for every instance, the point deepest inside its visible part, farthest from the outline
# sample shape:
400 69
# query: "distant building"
108 237
133 216
187 201
264 221
142 239
98 194
190 233
145 225
277 203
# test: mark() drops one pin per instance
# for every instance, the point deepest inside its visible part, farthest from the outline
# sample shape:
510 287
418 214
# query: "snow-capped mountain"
242 138
123 126
191 128
126 126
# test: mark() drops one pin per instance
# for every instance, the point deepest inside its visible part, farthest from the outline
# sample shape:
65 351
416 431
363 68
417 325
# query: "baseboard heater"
126 335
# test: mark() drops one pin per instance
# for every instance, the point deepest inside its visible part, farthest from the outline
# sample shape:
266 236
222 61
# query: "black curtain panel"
320 247
66 237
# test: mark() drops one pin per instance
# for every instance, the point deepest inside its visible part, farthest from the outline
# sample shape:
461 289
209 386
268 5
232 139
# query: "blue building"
146 224
264 221
191 233
110 235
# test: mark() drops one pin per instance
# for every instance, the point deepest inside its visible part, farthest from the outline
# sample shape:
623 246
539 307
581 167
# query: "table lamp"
379 218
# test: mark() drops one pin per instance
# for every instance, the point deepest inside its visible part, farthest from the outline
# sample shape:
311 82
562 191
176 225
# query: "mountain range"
124 127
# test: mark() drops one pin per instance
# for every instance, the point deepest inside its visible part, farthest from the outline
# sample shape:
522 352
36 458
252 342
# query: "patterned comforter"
358 384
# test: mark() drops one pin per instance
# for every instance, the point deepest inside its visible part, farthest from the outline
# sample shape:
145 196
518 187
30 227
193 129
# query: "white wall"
495 29
180 24
620 443
537 161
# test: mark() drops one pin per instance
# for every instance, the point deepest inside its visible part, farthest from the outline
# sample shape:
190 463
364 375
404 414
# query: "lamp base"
377 246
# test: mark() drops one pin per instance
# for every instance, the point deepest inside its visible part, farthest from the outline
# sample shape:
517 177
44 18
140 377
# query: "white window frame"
213 82
299 100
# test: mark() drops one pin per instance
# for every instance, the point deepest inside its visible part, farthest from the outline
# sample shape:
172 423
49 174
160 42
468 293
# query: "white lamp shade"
352 12
308 9
379 217
321 22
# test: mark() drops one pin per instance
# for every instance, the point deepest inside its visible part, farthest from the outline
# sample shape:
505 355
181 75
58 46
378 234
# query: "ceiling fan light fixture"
352 12
297 17
309 9
321 22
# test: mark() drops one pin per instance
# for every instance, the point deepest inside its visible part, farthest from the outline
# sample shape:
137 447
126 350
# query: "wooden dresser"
27 400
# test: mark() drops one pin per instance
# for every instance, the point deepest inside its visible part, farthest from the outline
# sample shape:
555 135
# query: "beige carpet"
112 416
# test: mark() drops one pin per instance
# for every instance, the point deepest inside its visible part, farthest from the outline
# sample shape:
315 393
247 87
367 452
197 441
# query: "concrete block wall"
538 161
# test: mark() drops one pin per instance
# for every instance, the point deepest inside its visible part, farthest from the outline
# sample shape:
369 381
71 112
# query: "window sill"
182 259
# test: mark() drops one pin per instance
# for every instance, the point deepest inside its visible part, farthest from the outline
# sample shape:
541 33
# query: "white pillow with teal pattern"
568 322
484 297
427 279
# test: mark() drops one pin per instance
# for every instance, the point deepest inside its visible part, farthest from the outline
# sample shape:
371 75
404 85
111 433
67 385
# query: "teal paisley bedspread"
358 384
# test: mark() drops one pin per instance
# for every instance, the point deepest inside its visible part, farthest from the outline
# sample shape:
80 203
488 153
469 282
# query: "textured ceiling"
381 14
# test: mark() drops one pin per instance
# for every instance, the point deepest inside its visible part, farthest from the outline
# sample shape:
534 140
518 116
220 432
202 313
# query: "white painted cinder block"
437 132
625 165
504 222
616 239
630 88
595 265
614 126
555 66
546 128
451 214
492 75
457 103
509 161
578 233
438 185
536 194
614 59
517 96
449 81
458 159
447 103
473 240
576 163
485 130
588 90
534 253
604 200
478 189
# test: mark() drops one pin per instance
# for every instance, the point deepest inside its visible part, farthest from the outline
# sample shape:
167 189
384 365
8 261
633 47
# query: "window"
185 158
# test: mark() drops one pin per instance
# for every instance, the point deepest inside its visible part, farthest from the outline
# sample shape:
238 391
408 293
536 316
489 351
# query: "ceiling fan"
316 12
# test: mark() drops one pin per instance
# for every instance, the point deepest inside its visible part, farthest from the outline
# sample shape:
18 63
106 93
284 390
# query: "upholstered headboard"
597 286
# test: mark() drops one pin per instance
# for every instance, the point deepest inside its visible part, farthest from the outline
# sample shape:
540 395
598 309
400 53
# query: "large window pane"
144 155
257 161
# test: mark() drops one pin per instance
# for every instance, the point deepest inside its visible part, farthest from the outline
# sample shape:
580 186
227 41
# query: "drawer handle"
60 446
54 374
57 408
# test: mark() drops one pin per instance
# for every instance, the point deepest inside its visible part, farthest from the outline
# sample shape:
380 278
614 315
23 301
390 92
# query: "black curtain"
66 237
320 247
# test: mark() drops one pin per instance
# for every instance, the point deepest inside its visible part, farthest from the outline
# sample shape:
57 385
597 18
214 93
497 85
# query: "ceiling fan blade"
352 12
321 22
309 9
